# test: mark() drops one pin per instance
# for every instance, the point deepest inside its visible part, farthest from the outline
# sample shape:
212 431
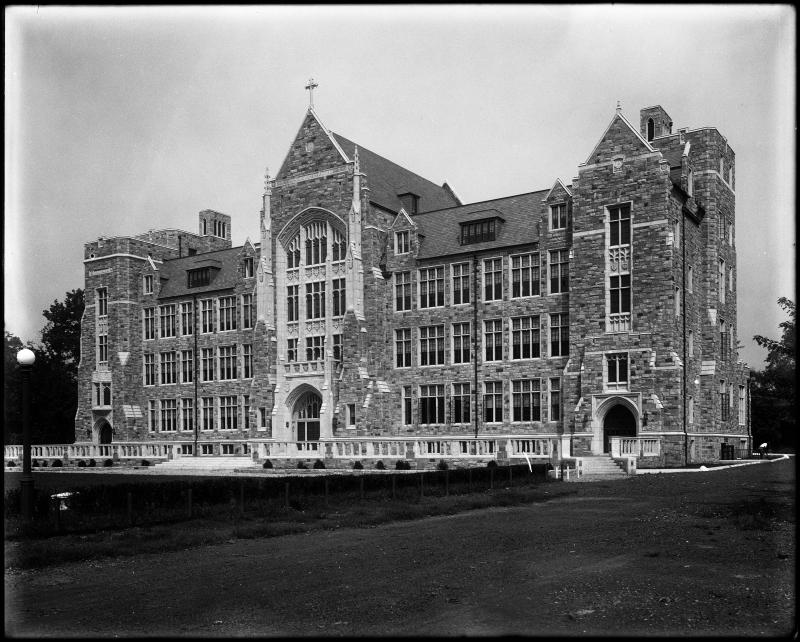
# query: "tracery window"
339 248
293 253
316 234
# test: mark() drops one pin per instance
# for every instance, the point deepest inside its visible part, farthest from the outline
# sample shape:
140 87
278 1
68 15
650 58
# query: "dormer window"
402 243
148 284
248 267
651 129
558 216
478 231
197 278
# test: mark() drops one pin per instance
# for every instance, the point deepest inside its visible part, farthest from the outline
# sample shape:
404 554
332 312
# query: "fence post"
189 502
57 506
326 492
130 508
510 471
491 478
394 480
241 497
286 495
469 479
421 484
446 483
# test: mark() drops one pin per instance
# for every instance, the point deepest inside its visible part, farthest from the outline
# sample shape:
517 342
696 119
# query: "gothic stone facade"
375 304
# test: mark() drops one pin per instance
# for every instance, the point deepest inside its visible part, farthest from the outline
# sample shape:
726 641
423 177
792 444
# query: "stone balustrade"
635 446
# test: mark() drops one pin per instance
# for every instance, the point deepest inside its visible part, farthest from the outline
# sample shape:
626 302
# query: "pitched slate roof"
174 271
442 230
386 180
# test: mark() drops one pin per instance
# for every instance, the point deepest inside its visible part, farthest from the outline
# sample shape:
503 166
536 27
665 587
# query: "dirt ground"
707 553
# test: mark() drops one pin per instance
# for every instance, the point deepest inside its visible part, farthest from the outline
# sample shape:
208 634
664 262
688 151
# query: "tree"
773 390
54 378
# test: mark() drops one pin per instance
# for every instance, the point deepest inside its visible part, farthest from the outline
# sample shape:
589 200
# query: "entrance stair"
600 467
207 464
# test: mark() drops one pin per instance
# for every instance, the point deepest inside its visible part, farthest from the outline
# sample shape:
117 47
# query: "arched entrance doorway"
618 422
104 432
306 417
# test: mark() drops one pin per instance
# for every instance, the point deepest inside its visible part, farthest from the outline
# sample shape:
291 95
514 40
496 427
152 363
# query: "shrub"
145 462
380 466
319 464
34 463
491 464
267 464
81 463
442 465
92 463
43 464
402 464
57 463
108 463
301 465
358 466
11 464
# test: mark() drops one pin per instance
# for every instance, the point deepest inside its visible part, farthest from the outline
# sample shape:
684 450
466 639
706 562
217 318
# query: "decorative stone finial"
619 107
266 179
310 86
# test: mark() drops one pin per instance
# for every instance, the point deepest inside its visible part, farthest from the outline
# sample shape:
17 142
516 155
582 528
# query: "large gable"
313 150
619 139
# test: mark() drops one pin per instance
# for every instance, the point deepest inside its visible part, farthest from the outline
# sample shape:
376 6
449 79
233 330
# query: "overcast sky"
120 120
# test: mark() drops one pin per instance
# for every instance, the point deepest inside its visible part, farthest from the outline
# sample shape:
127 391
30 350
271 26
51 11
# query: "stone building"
376 306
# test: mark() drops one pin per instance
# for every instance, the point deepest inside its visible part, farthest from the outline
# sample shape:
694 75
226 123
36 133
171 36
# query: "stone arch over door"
305 405
102 431
619 418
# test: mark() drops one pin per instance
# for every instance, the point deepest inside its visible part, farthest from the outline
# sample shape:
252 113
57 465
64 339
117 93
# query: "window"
207 315
248 312
101 297
315 300
187 414
152 414
690 410
339 246
721 281
148 284
677 301
293 253
150 369
227 313
402 291
620 290
407 417
460 291
263 419
351 415
478 231
247 360
149 323
315 348
619 221
559 335
246 411
291 350
493 401
187 366
493 340
169 415
168 318
228 412
555 399
526 398
431 287
730 279
431 345
691 343
102 394
102 348
187 318
724 402
207 449
402 242
316 243
525 338
559 271
208 413
724 341
460 403
402 348
492 279
617 371
651 129
558 216
169 370
339 303
293 303
676 233
199 277
525 275
431 404
227 363
461 341
207 364
337 347
248 266
730 234
227 449
742 408
690 279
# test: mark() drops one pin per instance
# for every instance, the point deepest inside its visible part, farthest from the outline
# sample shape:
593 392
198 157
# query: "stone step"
208 463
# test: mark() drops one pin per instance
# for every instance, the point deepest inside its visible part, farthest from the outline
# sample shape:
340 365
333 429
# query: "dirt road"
699 553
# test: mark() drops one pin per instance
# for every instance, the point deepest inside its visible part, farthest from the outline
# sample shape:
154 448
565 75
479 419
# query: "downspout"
196 373
475 338
684 241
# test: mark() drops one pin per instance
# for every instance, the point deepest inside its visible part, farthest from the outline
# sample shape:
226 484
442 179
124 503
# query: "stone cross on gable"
310 86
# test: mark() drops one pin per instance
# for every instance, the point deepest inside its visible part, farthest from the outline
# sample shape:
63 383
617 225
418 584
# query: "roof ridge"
488 200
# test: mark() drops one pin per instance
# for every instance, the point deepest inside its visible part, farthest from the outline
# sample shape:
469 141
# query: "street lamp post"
25 359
